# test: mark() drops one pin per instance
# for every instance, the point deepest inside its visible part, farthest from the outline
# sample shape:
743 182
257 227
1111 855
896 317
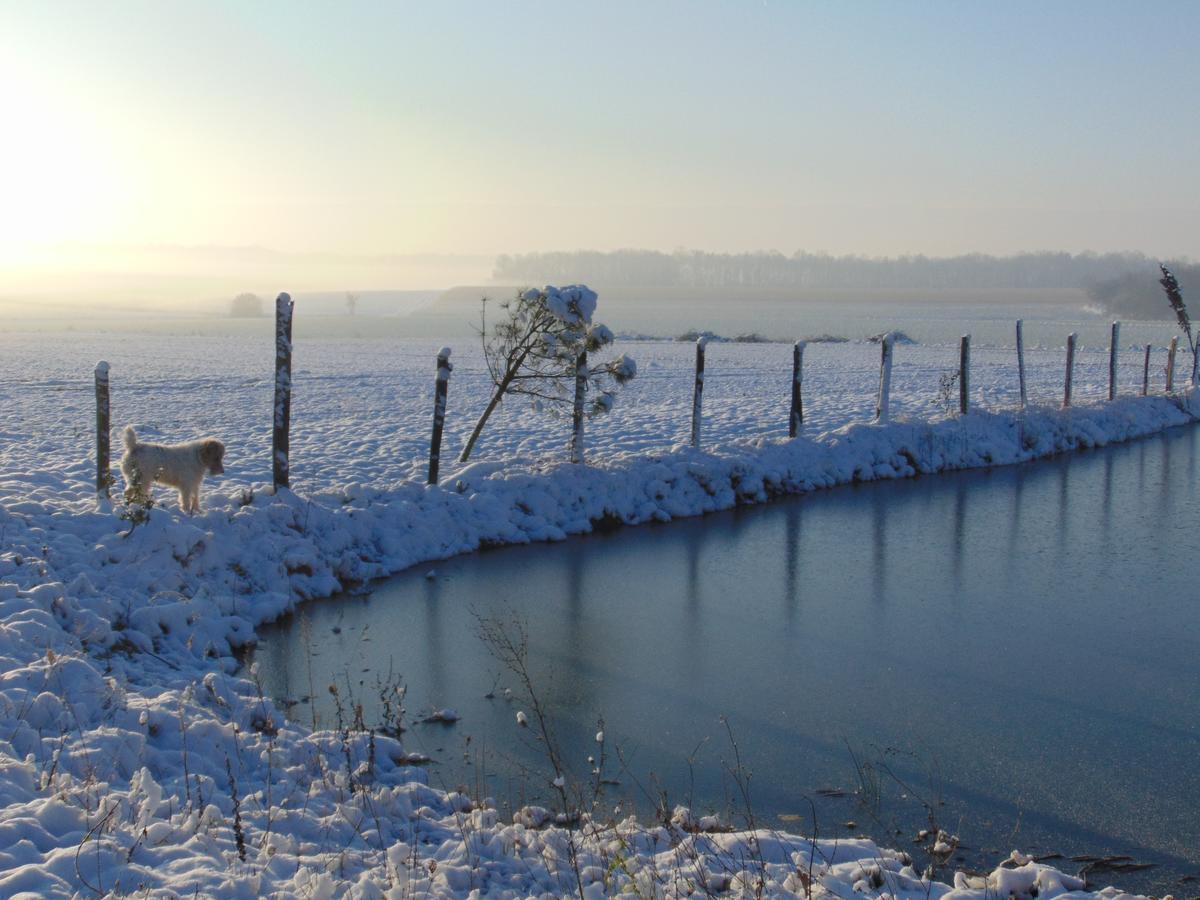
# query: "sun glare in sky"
482 128
61 182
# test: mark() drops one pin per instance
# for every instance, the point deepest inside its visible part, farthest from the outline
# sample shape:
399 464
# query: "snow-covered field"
134 760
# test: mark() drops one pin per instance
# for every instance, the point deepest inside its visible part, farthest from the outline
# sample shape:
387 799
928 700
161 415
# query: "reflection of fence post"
1112 360
439 411
964 375
1070 369
1146 373
698 393
581 365
796 419
1021 359
103 431
885 378
1171 364
283 392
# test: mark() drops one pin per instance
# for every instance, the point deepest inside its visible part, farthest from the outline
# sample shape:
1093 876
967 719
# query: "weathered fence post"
1171 364
1021 359
796 419
581 366
1070 369
964 375
1146 373
103 431
698 393
283 391
1113 343
885 378
440 388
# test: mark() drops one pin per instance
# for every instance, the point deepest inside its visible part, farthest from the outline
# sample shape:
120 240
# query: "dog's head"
212 454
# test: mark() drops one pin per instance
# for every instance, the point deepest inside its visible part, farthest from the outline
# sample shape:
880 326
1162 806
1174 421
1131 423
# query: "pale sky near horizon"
483 128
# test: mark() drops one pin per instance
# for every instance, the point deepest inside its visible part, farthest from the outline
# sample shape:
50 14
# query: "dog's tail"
130 438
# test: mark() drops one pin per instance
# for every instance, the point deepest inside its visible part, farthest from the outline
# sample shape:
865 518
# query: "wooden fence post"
1171 364
1021 359
964 375
1113 343
440 389
103 432
1146 373
280 443
885 378
796 419
698 392
1070 369
581 366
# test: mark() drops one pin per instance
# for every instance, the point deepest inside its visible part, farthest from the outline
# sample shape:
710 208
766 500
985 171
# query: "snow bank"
253 554
134 760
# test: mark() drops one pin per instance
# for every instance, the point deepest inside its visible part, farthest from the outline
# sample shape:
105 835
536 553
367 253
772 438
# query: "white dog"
181 466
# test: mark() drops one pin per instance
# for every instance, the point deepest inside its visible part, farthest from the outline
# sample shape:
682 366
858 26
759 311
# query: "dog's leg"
194 496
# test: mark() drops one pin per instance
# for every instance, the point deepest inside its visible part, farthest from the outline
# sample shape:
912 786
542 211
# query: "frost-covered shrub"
1175 297
136 510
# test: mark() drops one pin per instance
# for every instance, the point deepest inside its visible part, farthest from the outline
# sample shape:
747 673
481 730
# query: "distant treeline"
683 268
1138 295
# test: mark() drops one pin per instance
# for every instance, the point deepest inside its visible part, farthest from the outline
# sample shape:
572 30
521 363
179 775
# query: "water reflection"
1018 642
957 533
436 657
792 537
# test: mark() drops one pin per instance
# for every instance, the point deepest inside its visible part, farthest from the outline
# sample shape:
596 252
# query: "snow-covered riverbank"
134 759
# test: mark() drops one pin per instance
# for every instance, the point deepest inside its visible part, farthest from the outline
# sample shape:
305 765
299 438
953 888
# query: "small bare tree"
351 303
534 349
1175 297
246 306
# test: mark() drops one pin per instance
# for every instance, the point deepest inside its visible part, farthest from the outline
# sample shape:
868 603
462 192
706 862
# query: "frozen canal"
1017 648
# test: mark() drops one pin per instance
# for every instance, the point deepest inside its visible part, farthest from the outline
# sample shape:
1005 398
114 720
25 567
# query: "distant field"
452 316
468 295
320 314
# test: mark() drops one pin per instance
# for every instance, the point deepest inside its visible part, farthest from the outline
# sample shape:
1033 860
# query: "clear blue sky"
877 128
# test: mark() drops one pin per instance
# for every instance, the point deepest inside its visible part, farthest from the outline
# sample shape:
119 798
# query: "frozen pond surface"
1018 647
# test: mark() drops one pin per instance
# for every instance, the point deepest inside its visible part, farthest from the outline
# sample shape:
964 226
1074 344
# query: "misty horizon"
172 278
